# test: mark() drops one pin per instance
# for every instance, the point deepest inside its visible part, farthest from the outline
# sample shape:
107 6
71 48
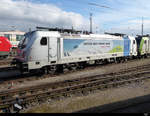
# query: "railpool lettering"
96 43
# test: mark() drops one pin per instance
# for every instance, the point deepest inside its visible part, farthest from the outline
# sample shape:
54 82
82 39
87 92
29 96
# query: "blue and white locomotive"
54 50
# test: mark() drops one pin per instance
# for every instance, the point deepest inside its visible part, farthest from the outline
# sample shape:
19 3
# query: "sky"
118 16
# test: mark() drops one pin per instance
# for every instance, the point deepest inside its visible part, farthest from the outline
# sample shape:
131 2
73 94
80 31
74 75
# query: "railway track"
18 78
37 76
7 68
4 63
66 88
32 77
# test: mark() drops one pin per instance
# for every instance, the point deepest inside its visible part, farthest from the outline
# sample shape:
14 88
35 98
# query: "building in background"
13 36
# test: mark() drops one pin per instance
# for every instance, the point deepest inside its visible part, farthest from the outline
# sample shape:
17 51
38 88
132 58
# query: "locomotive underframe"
65 63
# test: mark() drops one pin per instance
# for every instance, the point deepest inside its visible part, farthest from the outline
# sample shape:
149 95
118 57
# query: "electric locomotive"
55 49
143 45
5 47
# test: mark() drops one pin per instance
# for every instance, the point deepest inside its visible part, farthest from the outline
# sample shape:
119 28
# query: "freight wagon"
53 50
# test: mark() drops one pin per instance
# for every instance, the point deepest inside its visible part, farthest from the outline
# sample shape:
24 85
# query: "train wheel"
145 56
105 61
48 70
126 59
116 61
59 68
82 65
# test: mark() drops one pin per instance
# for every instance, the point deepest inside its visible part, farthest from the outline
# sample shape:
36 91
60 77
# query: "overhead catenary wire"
94 4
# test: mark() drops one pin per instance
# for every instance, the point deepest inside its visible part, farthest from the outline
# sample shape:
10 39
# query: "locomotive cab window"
145 41
43 41
133 41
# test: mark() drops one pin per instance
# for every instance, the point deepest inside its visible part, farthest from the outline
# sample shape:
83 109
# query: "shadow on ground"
137 105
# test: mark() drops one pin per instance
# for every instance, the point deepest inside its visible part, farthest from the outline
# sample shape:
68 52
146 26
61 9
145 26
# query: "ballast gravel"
97 98
83 73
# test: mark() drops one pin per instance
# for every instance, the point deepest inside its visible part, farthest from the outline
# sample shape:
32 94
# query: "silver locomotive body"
50 49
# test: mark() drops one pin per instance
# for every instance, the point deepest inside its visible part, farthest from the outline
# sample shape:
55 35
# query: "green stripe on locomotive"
142 45
141 49
4 53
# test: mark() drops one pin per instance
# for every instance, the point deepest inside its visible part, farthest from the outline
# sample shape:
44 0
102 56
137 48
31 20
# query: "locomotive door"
147 46
52 49
134 47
